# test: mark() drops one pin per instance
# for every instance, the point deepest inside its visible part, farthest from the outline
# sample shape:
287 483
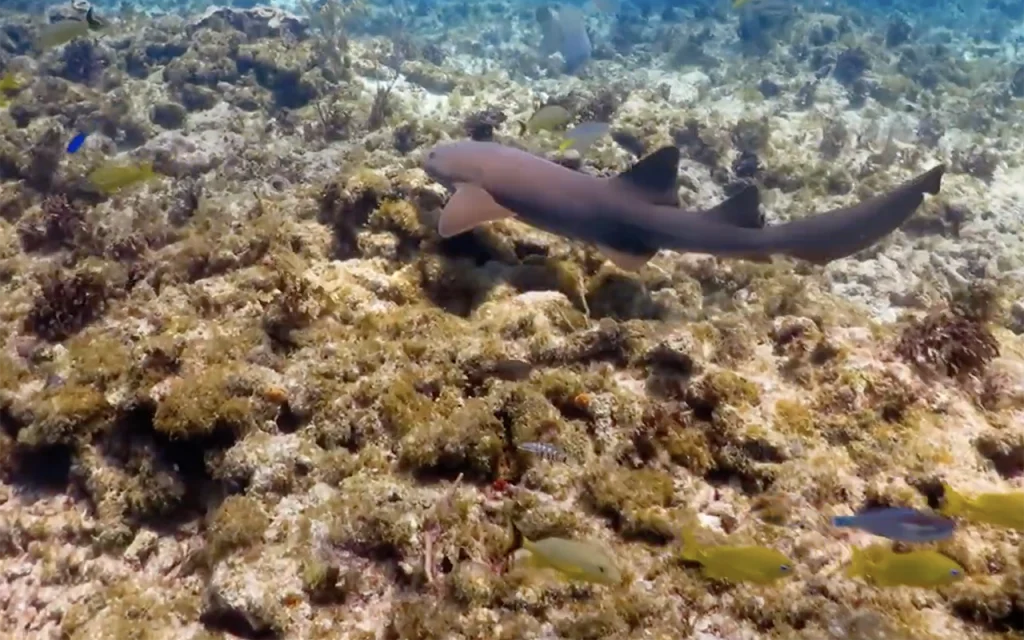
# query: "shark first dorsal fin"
741 210
654 176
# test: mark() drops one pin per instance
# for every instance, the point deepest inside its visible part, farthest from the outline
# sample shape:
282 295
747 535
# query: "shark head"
453 163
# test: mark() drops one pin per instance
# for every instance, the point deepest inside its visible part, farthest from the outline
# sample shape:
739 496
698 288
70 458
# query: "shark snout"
432 168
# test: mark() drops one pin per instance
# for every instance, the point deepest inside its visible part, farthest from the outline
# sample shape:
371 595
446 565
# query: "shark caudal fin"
840 233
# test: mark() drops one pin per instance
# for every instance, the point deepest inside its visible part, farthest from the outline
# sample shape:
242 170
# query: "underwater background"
247 390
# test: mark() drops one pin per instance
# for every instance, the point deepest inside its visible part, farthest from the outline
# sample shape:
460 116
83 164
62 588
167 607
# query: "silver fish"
544 450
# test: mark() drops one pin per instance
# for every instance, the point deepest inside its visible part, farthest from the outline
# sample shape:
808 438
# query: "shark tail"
841 233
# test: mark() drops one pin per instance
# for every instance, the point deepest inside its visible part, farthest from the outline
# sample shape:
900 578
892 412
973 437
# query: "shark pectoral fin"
468 207
741 210
625 261
653 177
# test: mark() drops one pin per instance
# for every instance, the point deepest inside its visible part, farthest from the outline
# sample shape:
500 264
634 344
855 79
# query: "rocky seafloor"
260 397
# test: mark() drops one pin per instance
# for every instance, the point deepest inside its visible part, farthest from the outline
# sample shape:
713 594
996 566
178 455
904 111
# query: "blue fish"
899 523
575 45
77 142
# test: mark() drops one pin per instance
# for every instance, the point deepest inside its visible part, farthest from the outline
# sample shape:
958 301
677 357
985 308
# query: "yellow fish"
548 118
759 565
575 559
112 176
8 84
886 568
1000 509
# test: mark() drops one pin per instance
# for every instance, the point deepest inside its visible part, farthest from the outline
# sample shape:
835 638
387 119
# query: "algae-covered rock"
253 594
261 396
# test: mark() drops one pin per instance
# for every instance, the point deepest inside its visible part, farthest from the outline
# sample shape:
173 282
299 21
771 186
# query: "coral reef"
259 396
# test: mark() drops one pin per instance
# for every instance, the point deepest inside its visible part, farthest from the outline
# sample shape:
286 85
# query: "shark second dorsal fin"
741 210
654 176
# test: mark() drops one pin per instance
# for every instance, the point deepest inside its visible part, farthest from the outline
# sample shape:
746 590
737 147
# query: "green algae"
65 415
793 416
469 440
383 407
638 501
125 612
196 406
238 524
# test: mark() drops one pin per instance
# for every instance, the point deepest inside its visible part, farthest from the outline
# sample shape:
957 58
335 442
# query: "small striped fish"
544 450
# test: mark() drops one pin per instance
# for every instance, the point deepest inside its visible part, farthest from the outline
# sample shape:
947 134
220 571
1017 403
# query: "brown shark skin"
848 230
612 213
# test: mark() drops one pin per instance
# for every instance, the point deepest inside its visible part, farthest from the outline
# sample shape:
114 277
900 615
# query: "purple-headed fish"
634 214
899 523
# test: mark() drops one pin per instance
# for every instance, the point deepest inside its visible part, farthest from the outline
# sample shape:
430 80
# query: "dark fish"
512 370
629 142
506 369
77 142
633 215
899 523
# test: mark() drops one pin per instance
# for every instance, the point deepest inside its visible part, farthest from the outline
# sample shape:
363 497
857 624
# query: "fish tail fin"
691 549
519 541
843 521
953 502
858 563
